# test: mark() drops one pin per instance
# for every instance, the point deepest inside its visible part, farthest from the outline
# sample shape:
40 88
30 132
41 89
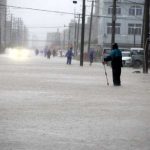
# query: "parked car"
106 52
126 58
137 55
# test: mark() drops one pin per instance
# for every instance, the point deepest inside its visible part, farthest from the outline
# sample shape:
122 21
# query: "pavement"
48 105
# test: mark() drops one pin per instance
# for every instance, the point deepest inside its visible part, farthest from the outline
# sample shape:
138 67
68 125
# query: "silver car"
126 58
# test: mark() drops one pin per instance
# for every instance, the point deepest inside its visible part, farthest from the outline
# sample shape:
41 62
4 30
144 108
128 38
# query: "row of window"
132 28
133 11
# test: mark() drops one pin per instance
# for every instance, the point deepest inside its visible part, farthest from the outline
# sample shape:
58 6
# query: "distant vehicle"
136 49
137 55
126 58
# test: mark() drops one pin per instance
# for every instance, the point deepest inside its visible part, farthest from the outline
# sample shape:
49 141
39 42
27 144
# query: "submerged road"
48 105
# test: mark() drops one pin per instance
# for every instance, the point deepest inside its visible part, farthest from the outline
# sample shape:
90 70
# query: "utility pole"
75 30
18 32
11 26
113 21
82 34
0 32
69 36
5 35
78 32
146 35
75 38
64 42
142 36
90 31
134 35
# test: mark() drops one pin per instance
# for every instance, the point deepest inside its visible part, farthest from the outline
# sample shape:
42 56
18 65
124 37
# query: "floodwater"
48 105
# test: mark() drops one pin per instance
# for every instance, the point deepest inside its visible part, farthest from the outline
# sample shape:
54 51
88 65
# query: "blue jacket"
115 57
69 53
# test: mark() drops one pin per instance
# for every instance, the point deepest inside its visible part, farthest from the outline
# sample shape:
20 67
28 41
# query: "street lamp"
75 2
75 28
113 22
82 31
78 28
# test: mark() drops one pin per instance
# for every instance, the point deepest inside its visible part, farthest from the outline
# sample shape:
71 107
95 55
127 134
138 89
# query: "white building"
129 21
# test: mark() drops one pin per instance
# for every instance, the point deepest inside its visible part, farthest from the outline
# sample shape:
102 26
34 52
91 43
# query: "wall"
123 38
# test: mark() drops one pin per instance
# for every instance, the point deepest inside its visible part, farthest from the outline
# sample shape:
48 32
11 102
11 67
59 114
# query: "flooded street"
48 105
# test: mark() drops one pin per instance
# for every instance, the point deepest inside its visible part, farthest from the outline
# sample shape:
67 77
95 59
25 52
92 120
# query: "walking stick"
106 74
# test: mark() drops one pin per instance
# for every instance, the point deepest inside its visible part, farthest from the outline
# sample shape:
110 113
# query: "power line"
46 27
35 9
50 11
30 40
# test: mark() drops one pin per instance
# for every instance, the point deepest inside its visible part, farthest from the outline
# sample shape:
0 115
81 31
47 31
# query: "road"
48 105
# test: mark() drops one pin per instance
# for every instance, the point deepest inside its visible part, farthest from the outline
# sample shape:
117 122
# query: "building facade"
53 40
3 11
129 20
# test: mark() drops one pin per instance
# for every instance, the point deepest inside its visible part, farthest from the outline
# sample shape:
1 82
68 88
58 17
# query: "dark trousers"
69 60
116 75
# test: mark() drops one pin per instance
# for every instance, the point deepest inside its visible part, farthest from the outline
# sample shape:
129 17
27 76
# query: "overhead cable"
35 9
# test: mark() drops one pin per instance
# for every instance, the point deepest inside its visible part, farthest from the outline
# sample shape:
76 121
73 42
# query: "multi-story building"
129 20
2 25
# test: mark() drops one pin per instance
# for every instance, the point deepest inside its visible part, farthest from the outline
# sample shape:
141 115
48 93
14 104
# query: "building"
129 20
53 39
12 30
3 11
16 32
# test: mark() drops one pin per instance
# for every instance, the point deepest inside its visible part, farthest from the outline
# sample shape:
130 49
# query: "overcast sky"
44 19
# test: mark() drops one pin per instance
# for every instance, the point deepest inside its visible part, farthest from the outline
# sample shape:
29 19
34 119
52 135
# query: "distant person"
116 62
45 51
91 56
69 55
54 52
48 53
36 52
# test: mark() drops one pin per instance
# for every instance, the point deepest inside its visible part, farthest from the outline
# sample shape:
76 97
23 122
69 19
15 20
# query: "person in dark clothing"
69 55
36 52
48 54
91 56
116 62
54 52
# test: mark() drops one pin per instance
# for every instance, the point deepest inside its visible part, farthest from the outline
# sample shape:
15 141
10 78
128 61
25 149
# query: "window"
135 29
135 11
117 28
109 28
118 10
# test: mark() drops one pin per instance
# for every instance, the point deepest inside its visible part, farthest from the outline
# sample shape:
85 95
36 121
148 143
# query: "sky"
45 19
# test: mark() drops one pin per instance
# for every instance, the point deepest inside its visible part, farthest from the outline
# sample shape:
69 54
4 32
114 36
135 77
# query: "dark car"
137 55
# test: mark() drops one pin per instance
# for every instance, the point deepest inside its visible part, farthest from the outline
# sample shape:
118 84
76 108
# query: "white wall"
123 19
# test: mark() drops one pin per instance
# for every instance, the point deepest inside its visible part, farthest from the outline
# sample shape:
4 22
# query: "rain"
57 92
